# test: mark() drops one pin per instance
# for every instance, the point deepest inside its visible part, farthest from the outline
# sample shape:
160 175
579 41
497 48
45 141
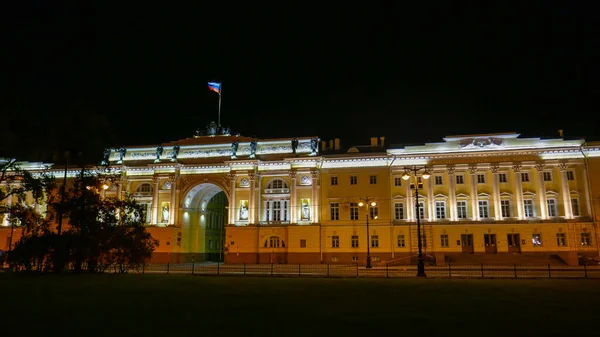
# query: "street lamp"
425 175
368 202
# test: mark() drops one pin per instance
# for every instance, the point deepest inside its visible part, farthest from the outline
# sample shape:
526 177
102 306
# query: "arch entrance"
204 213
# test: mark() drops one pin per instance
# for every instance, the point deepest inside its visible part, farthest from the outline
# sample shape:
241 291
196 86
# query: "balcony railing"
277 191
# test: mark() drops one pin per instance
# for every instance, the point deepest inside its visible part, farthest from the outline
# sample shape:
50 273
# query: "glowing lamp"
360 204
405 176
105 187
373 204
426 175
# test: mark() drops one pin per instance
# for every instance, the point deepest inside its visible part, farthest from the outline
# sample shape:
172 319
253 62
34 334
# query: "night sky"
81 76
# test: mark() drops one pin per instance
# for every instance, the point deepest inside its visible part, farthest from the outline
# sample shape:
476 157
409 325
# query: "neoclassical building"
488 198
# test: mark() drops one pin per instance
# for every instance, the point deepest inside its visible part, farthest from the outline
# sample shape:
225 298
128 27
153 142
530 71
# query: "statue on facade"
253 149
122 151
106 157
234 148
198 133
294 145
165 213
225 131
212 128
305 210
159 152
243 212
175 153
314 142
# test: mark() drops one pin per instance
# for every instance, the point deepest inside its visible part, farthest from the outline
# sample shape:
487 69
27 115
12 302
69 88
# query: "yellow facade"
492 198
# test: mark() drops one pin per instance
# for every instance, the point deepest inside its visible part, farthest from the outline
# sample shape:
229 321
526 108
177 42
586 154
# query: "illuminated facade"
490 198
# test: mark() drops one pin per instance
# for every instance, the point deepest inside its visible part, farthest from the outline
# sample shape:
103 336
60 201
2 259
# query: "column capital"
494 169
156 179
292 174
315 174
252 176
450 169
473 169
539 167
517 167
563 166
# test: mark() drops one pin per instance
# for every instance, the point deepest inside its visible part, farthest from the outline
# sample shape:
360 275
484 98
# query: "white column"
542 191
430 198
588 194
566 193
265 208
251 201
518 191
315 197
155 202
174 209
258 214
474 196
232 206
496 191
293 202
452 193
410 206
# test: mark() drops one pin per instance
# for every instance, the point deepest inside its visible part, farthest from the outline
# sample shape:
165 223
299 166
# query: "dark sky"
83 76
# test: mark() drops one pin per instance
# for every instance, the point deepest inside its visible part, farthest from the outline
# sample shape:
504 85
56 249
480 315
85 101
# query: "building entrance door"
514 243
490 243
467 243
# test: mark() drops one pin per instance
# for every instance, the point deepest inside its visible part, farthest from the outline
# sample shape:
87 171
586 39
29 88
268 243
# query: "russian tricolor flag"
215 86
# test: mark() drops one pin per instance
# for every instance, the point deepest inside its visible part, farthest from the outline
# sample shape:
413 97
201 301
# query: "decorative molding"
245 182
473 169
450 170
480 143
494 168
305 180
539 167
517 167
292 174
563 166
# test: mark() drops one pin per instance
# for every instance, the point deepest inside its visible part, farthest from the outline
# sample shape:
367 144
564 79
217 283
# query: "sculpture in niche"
314 142
165 213
305 180
305 210
122 151
294 145
106 157
480 143
253 149
234 148
243 210
175 153
159 152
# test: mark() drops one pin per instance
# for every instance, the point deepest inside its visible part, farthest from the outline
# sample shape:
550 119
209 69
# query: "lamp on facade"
406 176
368 202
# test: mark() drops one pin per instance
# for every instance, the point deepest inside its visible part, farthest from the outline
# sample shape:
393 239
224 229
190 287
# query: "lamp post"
425 175
368 202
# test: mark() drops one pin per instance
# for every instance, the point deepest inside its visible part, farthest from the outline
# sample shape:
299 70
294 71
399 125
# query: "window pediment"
462 196
528 194
441 197
506 195
483 196
551 194
573 192
399 198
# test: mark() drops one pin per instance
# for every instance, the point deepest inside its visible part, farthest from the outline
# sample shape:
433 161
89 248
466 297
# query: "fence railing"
355 270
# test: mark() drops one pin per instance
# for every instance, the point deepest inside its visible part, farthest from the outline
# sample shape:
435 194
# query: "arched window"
274 242
277 183
144 188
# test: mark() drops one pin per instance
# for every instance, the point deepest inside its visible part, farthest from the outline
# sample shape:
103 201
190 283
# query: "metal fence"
355 270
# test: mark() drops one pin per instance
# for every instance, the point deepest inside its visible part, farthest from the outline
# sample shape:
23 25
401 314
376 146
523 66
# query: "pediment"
399 197
462 195
528 194
440 196
552 193
574 192
506 194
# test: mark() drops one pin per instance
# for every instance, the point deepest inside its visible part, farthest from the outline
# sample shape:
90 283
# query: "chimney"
373 141
331 143
336 144
382 140
323 145
560 133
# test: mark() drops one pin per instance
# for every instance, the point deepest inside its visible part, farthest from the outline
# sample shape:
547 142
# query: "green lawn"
172 305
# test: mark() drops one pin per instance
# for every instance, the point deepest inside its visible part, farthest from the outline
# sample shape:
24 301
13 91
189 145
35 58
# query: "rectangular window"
505 207
354 241
373 180
374 241
586 239
552 208
353 211
334 181
398 211
444 240
210 244
536 239
561 239
354 258
335 210
460 179
397 181
570 175
575 206
481 178
525 177
440 210
302 243
484 209
547 176
461 208
528 208
401 241
439 180
335 241
353 180
276 211
374 212
502 177
421 210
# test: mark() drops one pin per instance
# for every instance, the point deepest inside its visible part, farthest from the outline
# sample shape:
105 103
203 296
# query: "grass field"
172 305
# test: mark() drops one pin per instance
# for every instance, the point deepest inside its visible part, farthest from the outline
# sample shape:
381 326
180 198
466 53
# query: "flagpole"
220 90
